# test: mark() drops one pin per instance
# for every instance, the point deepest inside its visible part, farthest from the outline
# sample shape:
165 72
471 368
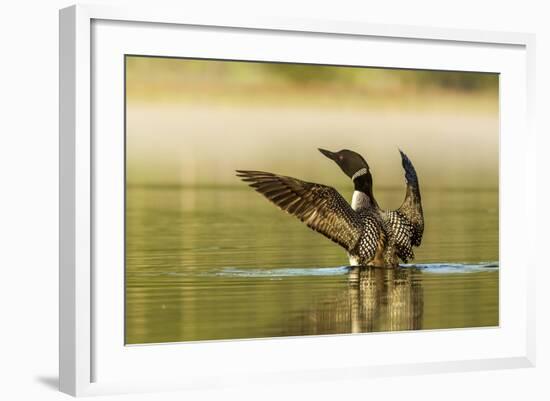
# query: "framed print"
279 200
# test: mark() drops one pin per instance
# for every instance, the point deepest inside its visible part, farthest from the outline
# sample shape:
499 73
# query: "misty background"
193 122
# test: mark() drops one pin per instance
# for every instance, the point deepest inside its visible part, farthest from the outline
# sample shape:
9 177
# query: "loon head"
356 168
351 163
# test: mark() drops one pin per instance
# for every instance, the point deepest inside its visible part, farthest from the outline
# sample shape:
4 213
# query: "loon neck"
363 185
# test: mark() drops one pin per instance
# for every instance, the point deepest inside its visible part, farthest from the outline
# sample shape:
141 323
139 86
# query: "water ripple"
439 268
442 268
284 272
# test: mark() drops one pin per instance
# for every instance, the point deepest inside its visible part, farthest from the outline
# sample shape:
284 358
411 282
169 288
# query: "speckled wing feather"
403 233
321 207
411 209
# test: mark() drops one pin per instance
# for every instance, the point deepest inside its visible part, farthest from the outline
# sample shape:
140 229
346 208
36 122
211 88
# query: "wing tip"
410 172
253 174
404 157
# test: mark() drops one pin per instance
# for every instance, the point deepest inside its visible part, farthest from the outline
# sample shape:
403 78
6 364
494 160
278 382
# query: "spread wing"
321 207
411 209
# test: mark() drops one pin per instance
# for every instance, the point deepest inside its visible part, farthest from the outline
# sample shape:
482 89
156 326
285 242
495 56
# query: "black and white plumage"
411 207
362 233
402 233
370 235
407 222
405 226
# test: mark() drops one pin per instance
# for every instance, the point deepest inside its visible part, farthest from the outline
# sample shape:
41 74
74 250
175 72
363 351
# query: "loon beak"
329 154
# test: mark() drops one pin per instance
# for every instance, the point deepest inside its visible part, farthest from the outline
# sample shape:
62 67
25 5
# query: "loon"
359 228
405 225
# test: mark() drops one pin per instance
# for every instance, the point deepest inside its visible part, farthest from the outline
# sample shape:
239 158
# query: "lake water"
223 263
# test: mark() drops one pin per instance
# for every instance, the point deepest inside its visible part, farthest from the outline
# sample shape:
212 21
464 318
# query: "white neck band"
359 173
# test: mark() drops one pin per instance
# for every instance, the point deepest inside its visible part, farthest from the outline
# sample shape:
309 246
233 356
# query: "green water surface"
223 263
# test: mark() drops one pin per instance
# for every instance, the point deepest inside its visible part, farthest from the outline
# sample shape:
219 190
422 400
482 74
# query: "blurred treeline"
301 74
154 74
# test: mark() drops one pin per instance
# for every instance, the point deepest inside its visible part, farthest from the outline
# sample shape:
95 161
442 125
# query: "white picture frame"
89 362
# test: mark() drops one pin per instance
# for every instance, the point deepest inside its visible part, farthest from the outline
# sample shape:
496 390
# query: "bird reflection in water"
374 299
384 299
